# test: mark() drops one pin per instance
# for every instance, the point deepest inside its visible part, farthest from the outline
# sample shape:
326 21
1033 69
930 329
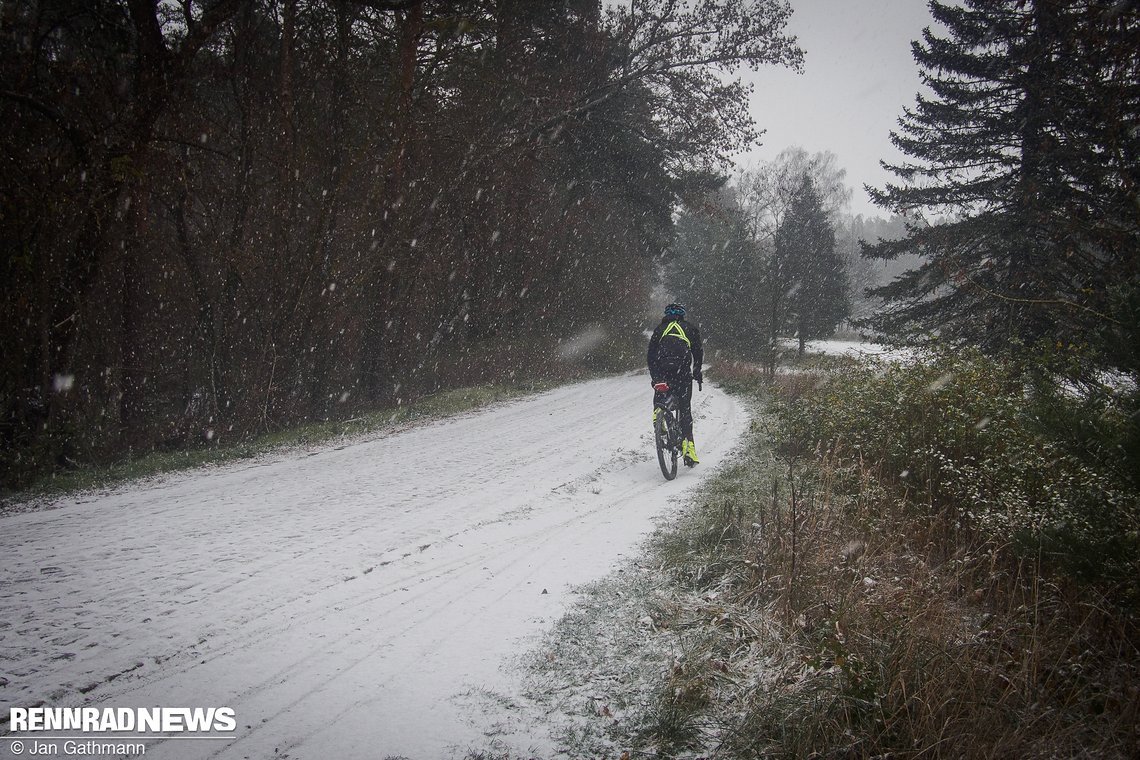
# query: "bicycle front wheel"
666 452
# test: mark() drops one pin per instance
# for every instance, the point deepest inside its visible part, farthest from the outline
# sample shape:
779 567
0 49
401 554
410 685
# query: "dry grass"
823 614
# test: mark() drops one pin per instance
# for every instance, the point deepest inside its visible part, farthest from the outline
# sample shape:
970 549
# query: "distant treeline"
226 216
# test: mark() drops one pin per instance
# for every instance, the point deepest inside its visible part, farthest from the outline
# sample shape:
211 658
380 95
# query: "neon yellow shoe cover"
689 451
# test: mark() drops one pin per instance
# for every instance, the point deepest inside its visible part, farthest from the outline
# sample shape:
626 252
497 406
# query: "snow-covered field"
360 600
857 349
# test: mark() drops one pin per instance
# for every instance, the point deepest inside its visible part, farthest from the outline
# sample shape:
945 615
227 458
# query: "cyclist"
675 357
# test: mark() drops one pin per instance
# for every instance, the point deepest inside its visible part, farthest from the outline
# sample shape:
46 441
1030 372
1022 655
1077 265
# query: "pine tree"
1023 143
750 291
712 265
807 260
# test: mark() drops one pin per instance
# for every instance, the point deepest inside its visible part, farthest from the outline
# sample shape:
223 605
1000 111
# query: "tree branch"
76 136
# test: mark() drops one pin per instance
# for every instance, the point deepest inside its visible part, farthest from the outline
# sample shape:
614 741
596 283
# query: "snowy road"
353 601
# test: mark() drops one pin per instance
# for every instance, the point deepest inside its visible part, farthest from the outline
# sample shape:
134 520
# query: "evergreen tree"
1024 144
807 266
751 287
714 267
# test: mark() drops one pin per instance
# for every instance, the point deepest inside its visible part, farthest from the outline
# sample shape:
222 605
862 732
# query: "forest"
227 217
224 217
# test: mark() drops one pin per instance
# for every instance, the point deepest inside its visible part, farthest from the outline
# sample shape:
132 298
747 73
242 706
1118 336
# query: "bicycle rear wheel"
665 433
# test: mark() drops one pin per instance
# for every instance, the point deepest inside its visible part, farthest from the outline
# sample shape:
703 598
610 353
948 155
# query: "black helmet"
675 310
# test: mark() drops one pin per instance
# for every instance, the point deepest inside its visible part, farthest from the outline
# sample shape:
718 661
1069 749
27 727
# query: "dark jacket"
675 351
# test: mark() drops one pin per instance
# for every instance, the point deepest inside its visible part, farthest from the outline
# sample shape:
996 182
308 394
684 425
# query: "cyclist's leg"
684 388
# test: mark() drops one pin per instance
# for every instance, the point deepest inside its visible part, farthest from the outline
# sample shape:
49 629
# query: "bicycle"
667 431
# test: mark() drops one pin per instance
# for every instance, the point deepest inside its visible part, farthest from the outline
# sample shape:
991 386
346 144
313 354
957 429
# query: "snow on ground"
358 600
858 349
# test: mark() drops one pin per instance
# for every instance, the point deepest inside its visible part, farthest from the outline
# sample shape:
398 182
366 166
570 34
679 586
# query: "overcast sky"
858 76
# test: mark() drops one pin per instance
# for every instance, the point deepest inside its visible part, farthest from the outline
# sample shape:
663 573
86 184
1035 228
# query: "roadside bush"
973 440
929 569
